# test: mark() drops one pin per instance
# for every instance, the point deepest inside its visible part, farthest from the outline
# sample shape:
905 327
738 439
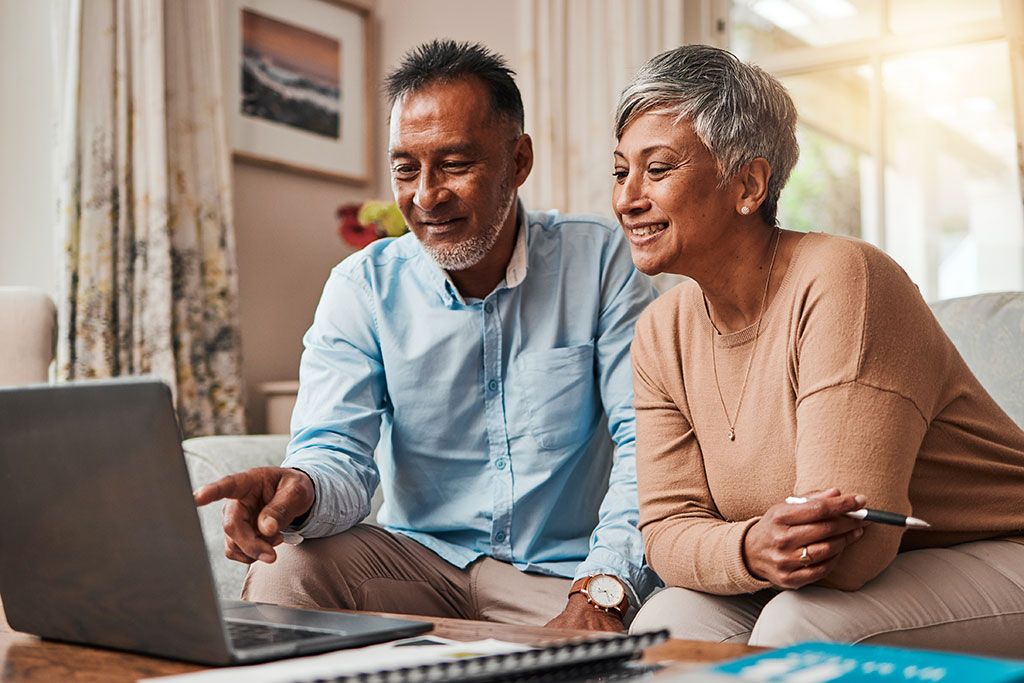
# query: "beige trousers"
967 598
369 568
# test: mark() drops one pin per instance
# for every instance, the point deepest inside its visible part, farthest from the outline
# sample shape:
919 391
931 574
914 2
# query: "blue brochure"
821 662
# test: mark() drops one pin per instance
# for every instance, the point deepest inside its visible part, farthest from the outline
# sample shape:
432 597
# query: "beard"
472 250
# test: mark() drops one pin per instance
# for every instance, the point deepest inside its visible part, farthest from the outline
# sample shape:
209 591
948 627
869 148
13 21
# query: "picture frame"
297 91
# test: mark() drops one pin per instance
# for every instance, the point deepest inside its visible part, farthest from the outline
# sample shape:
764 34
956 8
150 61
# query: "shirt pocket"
560 397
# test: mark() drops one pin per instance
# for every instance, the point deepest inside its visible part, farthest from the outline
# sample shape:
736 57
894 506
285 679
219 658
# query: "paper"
394 655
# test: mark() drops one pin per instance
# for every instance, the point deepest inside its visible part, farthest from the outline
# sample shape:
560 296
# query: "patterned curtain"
144 199
577 56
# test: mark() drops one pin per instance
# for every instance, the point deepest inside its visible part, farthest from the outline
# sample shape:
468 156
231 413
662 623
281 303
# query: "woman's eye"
657 170
619 174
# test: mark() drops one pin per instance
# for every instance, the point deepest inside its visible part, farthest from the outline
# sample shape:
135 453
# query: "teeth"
647 230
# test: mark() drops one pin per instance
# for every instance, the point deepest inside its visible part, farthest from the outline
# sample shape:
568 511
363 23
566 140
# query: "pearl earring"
745 210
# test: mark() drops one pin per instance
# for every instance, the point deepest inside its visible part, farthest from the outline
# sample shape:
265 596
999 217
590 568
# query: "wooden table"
25 658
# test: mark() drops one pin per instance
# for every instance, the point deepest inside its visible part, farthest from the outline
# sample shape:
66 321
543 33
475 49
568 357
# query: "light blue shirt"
492 415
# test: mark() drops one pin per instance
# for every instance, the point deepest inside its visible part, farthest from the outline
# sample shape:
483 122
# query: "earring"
745 210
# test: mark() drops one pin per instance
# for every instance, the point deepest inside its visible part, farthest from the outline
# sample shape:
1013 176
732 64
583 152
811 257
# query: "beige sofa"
988 329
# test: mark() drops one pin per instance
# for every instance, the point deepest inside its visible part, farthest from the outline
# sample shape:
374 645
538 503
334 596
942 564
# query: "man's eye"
455 166
403 171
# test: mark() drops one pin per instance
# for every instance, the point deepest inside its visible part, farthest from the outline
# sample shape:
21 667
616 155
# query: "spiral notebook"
429 659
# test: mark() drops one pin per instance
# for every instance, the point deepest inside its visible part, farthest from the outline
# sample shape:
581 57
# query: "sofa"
988 330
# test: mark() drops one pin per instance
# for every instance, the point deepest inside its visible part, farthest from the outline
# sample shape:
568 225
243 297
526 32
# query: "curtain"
144 204
577 56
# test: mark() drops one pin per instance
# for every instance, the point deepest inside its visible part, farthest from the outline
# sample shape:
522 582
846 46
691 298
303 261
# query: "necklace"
750 362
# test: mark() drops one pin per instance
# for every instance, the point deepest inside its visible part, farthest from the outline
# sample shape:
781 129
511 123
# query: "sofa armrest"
211 457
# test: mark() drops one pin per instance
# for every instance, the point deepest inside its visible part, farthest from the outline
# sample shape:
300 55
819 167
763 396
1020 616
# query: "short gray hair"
738 111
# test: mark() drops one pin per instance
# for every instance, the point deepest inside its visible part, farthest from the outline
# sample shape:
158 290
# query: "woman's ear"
753 185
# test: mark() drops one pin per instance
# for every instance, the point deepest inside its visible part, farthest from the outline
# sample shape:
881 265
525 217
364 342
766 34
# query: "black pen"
880 516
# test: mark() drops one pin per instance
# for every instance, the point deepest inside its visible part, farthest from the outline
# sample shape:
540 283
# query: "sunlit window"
907 130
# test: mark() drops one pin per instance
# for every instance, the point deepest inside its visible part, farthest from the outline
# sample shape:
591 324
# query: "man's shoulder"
380 256
556 224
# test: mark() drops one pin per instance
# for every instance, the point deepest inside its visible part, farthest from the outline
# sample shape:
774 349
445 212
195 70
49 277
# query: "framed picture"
297 85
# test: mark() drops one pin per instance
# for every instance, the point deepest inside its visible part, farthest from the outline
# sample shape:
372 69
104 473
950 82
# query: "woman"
805 365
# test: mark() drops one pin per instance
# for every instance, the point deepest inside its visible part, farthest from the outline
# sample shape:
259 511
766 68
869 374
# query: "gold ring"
805 558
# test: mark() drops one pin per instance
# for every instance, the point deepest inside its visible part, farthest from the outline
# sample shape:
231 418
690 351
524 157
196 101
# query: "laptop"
101 542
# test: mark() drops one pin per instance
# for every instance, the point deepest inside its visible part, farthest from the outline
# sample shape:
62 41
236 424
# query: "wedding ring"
805 558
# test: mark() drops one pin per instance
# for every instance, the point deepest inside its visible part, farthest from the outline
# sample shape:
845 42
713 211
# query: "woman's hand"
793 545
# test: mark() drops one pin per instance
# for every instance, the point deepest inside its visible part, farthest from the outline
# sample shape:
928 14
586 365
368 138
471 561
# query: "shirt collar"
515 271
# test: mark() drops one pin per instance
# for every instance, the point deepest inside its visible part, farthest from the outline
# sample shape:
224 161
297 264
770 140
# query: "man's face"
455 167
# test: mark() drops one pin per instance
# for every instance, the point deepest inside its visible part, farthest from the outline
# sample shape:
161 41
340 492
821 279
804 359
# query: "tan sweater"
854 385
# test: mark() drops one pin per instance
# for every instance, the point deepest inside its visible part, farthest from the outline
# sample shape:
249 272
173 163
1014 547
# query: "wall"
286 235
27 247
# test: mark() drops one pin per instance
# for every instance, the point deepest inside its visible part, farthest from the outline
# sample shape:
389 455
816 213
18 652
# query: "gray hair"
738 111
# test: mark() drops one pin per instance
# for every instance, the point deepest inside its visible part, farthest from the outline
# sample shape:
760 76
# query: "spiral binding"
578 659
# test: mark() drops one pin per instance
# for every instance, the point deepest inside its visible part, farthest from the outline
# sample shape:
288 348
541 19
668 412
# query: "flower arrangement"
363 223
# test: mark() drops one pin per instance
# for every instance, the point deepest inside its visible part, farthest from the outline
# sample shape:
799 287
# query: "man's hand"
261 502
795 545
580 614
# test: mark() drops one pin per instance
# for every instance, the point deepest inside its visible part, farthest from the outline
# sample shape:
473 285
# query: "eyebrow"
647 150
457 148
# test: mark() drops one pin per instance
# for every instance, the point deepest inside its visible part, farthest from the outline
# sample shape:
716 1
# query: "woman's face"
666 194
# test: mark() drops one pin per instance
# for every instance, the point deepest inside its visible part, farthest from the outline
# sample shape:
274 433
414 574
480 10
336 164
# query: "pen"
880 516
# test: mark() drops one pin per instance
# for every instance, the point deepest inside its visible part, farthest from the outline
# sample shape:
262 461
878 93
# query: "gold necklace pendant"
750 362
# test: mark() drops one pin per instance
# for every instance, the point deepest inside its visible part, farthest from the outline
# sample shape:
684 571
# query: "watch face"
606 591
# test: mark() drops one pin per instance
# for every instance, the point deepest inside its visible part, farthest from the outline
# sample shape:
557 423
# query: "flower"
363 223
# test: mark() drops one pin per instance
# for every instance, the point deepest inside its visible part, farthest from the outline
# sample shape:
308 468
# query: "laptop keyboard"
249 634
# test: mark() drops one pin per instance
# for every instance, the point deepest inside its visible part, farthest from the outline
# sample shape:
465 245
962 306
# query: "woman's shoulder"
838 260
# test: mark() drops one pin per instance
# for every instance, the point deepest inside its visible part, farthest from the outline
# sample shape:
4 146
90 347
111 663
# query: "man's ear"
753 185
522 159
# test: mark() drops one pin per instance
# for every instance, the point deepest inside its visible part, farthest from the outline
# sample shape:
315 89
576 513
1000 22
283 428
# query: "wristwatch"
605 592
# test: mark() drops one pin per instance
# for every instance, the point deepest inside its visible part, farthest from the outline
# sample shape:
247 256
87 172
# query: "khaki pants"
967 598
369 568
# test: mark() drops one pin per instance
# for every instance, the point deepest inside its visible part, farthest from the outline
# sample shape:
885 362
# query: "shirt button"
500 463
489 307
493 385
499 537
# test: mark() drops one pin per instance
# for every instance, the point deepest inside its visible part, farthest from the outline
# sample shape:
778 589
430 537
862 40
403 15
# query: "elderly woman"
801 365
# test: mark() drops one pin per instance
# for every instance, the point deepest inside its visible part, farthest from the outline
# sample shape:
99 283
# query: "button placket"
497 437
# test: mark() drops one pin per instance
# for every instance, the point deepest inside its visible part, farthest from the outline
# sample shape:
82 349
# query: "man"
485 353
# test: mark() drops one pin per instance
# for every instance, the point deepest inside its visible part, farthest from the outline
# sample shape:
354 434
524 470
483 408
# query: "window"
907 130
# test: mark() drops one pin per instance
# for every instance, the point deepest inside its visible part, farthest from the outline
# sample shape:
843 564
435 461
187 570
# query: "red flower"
351 230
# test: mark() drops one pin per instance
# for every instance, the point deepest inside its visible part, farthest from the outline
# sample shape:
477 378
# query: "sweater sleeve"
864 366
686 540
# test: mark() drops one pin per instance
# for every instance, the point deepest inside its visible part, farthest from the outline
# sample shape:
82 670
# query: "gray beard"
471 251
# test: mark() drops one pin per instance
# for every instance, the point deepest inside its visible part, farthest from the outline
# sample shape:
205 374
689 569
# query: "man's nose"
430 192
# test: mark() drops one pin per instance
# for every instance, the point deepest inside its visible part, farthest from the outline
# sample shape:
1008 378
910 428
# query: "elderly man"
485 357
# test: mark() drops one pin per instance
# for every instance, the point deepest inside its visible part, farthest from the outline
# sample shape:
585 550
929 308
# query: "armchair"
28 335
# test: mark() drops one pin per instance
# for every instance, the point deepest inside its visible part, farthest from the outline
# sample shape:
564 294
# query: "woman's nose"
628 196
